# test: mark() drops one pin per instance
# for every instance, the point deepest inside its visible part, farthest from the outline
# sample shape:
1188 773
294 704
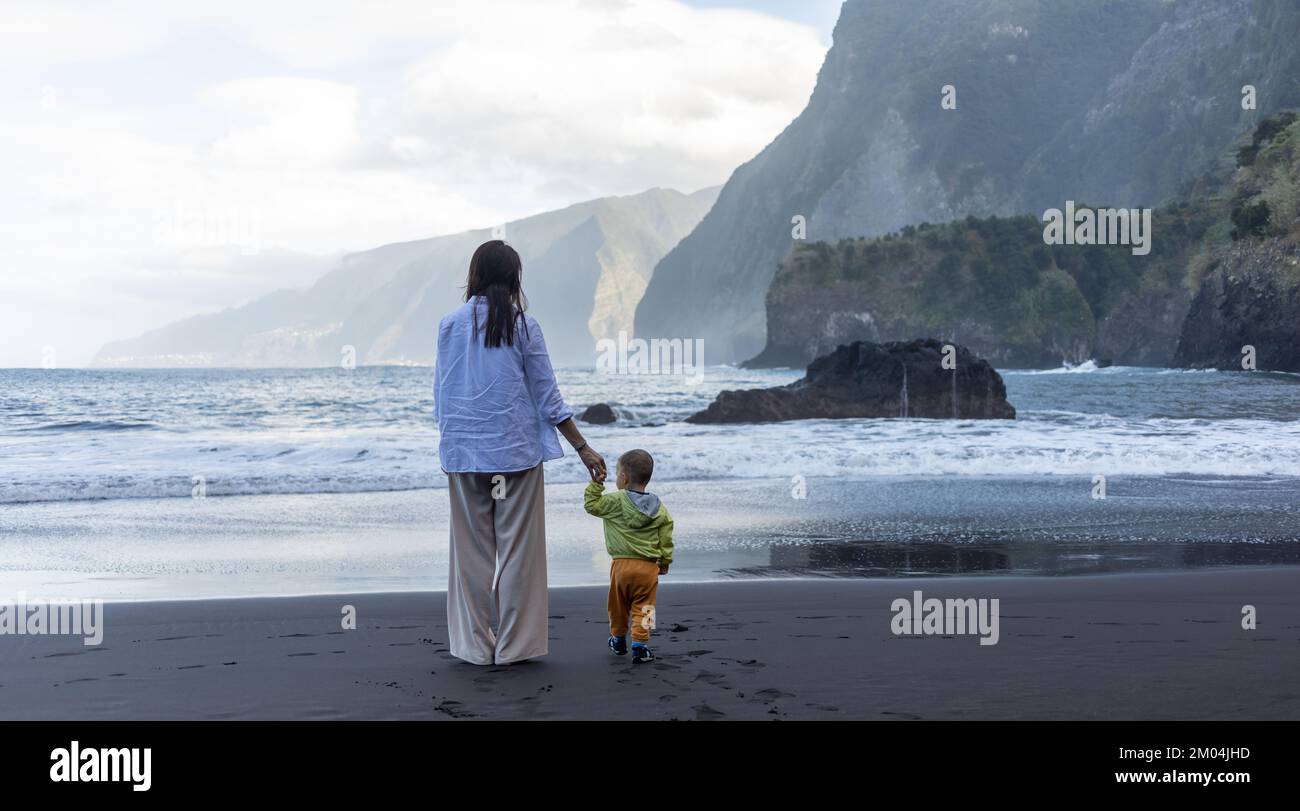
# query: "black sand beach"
1149 645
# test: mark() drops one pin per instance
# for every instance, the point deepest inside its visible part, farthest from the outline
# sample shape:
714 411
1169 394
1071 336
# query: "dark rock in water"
864 379
1104 363
1251 300
599 414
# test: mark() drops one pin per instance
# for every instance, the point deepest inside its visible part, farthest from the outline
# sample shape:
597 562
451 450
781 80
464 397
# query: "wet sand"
1150 645
248 546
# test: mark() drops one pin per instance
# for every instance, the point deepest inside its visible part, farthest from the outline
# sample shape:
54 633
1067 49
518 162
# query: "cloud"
39 33
290 122
644 94
321 127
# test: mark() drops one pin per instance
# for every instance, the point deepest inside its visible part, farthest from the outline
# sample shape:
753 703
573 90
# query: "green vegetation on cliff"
1248 285
993 284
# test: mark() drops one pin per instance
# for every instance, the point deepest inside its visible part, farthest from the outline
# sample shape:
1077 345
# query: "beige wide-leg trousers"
497 567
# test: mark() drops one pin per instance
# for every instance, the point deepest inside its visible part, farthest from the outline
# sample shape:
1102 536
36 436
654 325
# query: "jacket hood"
640 509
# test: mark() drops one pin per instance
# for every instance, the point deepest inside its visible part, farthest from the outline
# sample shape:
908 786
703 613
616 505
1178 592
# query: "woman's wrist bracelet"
580 447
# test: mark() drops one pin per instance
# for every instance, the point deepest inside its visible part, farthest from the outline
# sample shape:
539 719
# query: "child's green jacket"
637 525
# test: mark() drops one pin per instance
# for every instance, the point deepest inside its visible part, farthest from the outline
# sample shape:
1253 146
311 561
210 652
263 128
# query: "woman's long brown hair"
494 273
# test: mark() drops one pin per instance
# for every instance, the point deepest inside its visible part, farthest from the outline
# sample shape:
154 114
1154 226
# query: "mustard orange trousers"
632 586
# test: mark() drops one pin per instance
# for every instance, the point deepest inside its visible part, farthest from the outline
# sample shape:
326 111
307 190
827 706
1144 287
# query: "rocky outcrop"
599 414
1143 328
1247 305
863 379
991 285
1251 300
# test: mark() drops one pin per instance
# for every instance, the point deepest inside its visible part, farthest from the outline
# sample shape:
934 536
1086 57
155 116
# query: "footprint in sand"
454 709
715 679
772 694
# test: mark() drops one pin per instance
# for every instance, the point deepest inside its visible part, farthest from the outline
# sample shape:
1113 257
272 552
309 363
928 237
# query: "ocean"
75 435
214 482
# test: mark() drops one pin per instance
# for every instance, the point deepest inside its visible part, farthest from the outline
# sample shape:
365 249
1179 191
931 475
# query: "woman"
498 408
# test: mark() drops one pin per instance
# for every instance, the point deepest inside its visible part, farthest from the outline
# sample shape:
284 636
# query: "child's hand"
663 568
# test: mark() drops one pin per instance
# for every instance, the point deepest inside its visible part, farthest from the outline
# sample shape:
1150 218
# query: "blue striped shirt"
497 408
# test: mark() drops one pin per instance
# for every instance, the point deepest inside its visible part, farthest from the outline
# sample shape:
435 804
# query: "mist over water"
79 434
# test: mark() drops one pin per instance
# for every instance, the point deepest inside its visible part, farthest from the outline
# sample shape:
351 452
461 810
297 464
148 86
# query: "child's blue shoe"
641 653
618 644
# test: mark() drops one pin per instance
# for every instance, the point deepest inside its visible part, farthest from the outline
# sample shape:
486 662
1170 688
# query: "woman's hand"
594 462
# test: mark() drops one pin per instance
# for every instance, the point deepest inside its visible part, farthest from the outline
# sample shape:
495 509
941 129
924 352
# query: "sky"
162 159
